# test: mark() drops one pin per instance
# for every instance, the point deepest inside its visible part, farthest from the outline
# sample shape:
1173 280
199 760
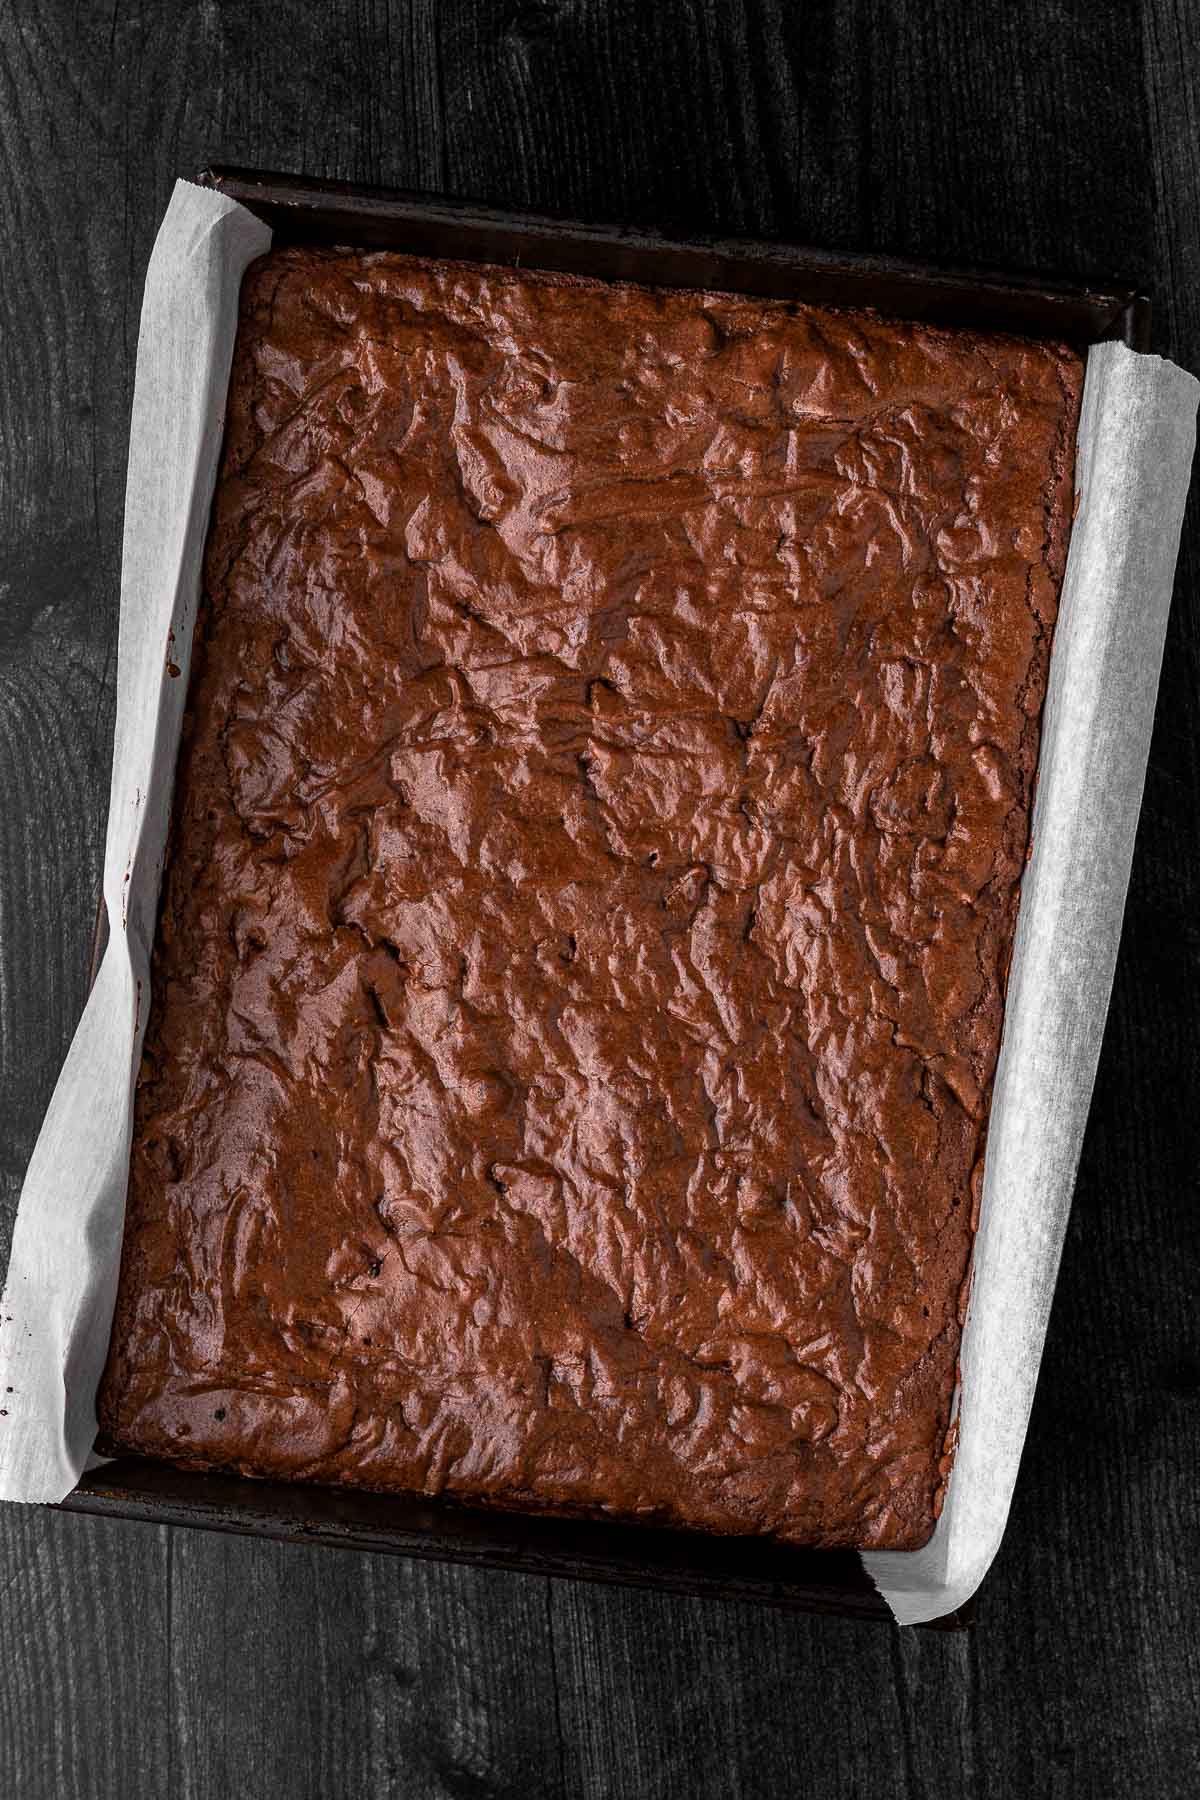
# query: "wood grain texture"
1053 134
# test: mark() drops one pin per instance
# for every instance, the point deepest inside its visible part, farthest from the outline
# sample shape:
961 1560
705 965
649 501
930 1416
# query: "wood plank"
85 1693
383 1678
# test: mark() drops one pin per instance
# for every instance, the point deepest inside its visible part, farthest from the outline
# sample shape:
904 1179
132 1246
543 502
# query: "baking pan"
749 1569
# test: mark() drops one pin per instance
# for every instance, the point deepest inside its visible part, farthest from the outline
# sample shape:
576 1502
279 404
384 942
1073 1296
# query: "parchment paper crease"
1136 439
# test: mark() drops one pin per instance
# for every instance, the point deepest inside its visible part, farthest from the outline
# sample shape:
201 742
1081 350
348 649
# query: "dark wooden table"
1056 135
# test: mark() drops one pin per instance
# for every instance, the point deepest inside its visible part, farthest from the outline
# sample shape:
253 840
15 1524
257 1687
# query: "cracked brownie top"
595 859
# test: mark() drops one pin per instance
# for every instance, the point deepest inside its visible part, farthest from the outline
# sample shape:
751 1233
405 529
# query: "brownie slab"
594 866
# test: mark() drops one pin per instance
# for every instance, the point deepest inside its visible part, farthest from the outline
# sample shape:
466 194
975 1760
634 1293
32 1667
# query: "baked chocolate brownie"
595 859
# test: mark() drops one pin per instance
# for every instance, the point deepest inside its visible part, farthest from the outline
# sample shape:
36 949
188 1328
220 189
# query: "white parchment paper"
1136 439
1137 432
57 1308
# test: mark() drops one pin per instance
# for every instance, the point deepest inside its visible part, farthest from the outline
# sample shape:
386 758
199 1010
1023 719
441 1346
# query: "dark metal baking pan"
300 210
